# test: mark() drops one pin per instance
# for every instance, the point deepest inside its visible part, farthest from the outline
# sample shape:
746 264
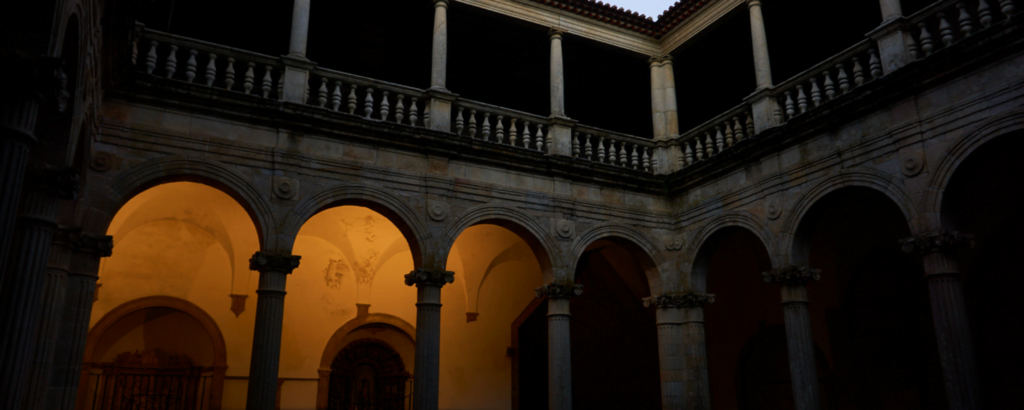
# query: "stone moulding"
941 241
266 261
791 275
559 290
679 300
429 277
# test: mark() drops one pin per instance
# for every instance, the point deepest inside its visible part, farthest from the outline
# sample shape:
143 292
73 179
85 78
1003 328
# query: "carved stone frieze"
791 275
429 277
941 241
266 261
679 300
559 290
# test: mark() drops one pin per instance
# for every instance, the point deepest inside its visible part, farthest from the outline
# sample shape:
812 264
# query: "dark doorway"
368 374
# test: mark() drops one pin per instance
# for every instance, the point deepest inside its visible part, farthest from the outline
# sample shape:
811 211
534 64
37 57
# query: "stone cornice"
696 23
429 277
559 290
791 275
937 242
679 300
273 262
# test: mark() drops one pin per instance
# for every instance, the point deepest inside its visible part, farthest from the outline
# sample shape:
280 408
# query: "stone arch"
377 199
956 154
132 181
220 356
512 219
736 219
335 345
651 260
861 177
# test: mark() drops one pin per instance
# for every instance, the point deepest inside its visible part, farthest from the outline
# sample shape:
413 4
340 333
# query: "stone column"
557 73
952 330
22 290
669 86
891 9
266 341
296 66
762 66
51 309
439 51
802 365
300 28
683 356
74 321
428 334
658 98
892 36
559 352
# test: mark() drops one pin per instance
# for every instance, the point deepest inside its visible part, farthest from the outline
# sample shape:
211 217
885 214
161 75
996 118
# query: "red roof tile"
627 19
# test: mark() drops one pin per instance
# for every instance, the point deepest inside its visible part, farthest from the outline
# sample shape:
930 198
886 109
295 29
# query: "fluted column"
22 289
300 28
952 330
762 65
439 49
683 356
266 340
83 272
51 309
559 352
428 334
802 366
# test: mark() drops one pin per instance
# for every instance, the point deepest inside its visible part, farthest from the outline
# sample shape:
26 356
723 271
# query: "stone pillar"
51 309
952 330
266 341
88 250
658 98
22 289
891 9
300 28
762 65
428 334
666 155
893 36
683 356
557 73
802 365
296 66
559 352
439 51
669 86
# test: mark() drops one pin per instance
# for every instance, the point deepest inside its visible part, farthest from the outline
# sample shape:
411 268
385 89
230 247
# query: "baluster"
211 70
647 160
172 61
576 144
623 154
844 81
914 50
229 74
700 150
413 112
588 150
945 30
368 103
790 109
400 109
858 72
426 115
634 160
815 92
267 81
526 134
708 146
719 140
135 52
926 39
385 106
190 65
875 64
322 93
472 123
512 132
777 113
964 20
750 124
459 123
830 88
499 129
737 128
540 137
250 78
600 150
1006 6
801 98
984 14
336 96
689 154
486 127
280 88
611 152
352 99
151 57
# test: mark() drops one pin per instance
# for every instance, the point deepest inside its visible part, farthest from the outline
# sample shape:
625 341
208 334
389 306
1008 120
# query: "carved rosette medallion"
429 277
679 300
933 242
273 262
559 290
102 161
565 228
774 210
437 210
791 275
285 188
673 242
912 163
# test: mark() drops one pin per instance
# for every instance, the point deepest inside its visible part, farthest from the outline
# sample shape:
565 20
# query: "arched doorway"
368 374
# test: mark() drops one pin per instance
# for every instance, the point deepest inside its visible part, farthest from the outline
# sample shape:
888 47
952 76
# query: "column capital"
273 262
554 32
937 242
59 182
559 290
679 300
429 277
100 245
753 3
660 59
791 275
440 3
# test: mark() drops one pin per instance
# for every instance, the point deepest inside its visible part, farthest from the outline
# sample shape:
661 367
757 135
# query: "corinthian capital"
429 277
683 300
101 245
560 290
940 241
791 275
273 262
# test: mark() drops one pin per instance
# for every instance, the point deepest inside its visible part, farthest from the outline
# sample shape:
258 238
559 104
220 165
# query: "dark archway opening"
368 374
985 198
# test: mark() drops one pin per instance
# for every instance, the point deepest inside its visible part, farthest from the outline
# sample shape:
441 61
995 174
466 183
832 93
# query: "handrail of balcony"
716 135
368 97
944 23
499 125
621 150
828 80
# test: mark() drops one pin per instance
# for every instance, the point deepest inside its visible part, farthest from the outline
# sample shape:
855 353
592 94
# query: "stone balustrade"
612 148
944 23
501 126
717 135
829 80
199 62
367 97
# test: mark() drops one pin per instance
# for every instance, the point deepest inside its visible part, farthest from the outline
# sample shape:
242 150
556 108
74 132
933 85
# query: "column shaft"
18 121
51 308
266 341
697 388
671 112
658 98
762 65
672 359
557 75
802 365
953 332
559 355
428 347
300 28
891 9
439 50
